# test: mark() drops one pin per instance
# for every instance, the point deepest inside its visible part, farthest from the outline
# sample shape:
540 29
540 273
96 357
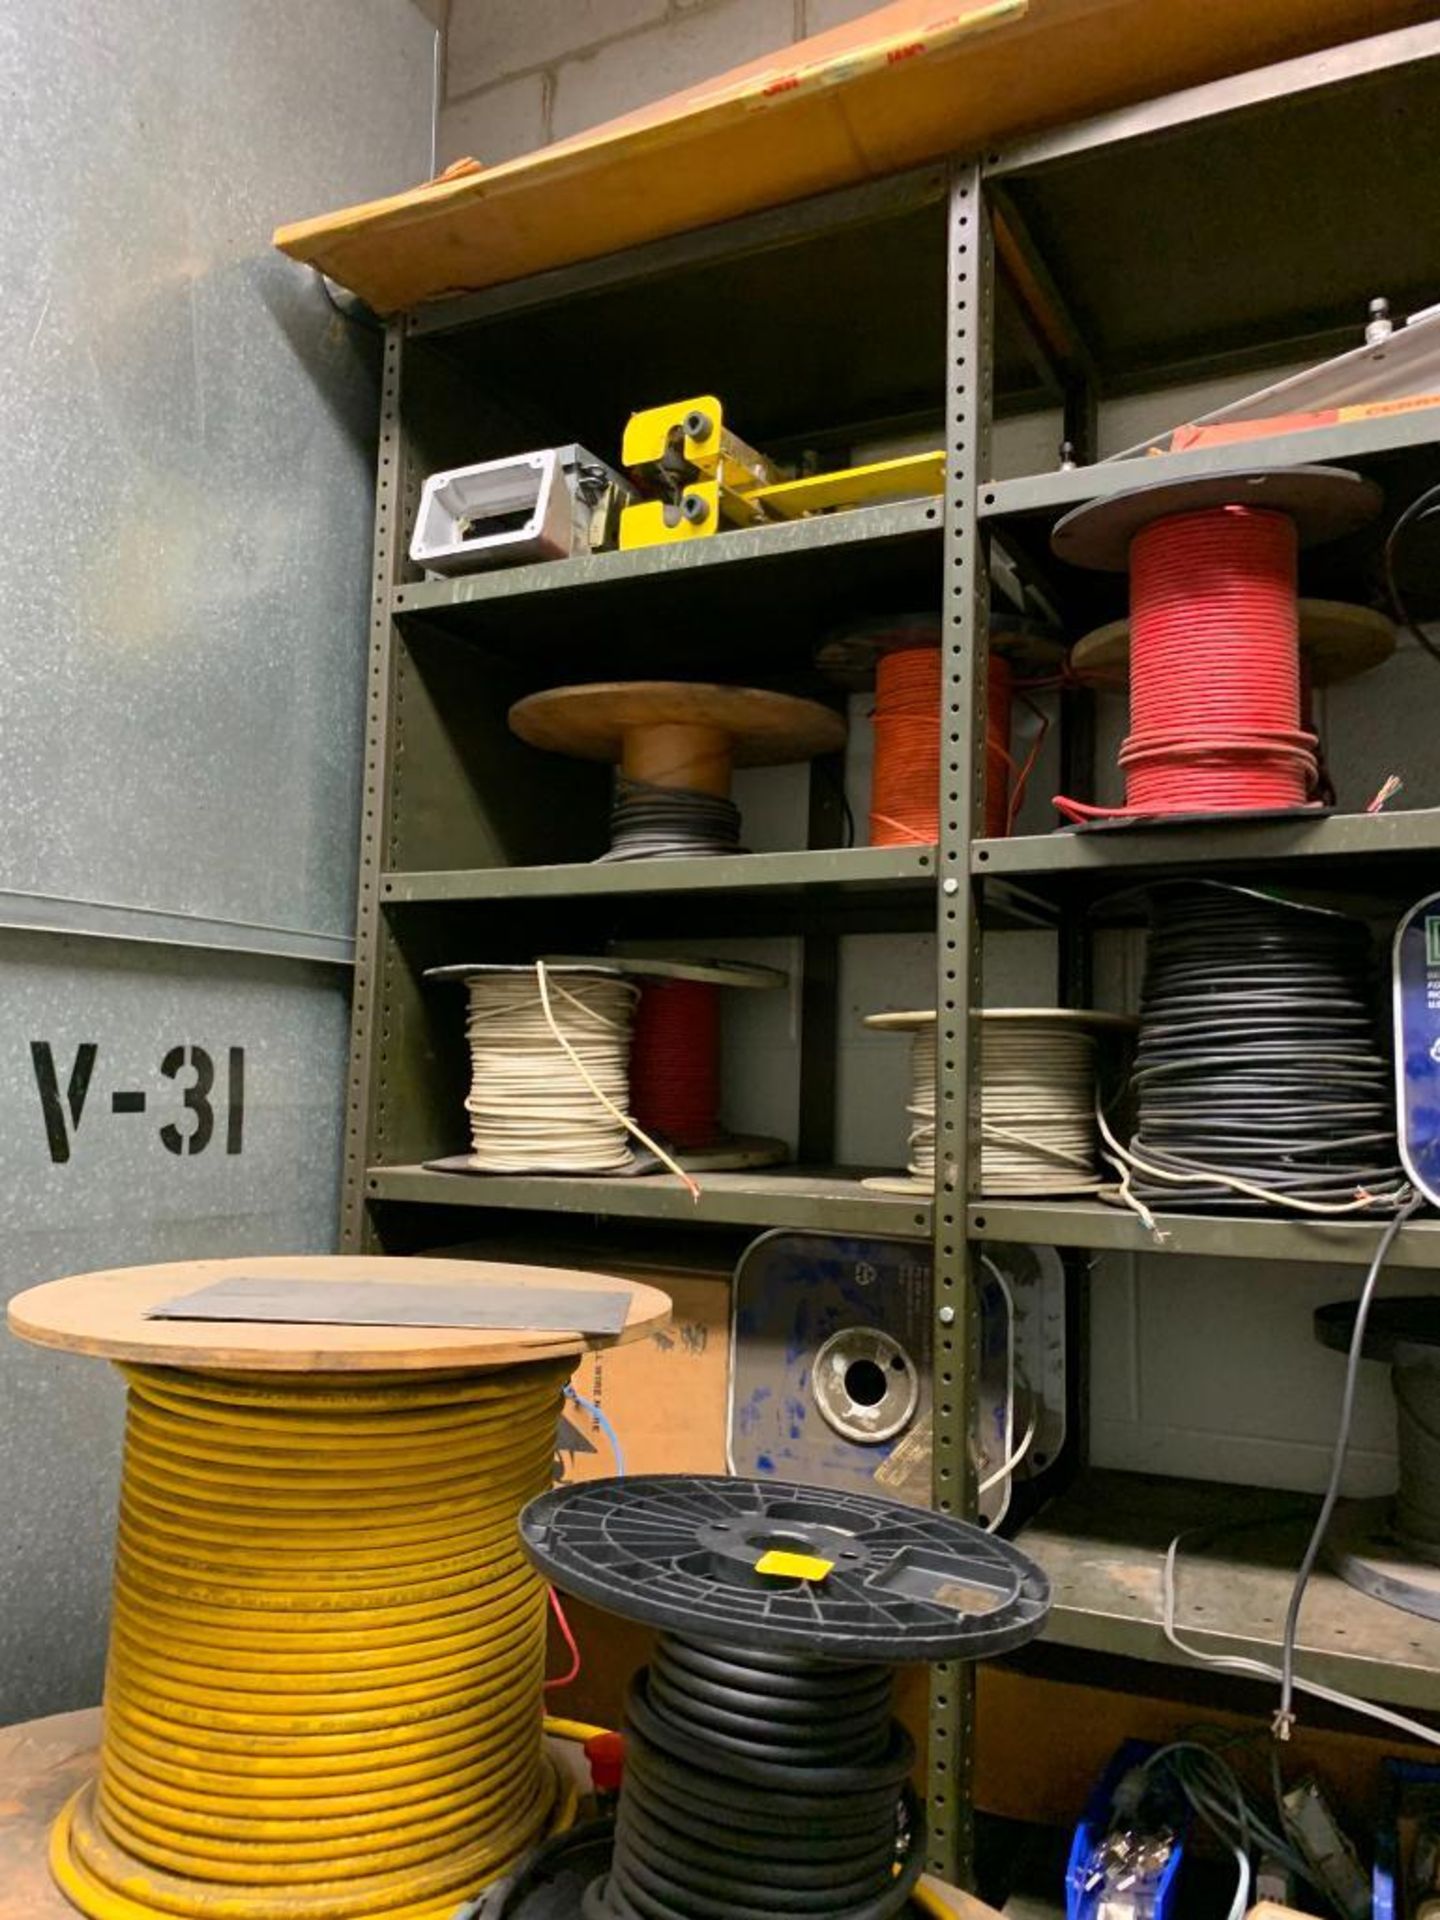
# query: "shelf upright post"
365 1103
965 590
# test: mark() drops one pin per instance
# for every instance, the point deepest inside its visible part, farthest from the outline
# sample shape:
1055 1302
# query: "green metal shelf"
832 1199
845 871
1115 212
707 562
1352 443
1103 1545
1113 1229
1216 843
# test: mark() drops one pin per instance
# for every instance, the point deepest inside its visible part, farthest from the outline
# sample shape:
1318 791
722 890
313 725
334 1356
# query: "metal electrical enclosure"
186 501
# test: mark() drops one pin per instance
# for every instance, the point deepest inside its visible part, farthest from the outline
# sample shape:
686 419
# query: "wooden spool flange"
1337 642
672 733
104 1314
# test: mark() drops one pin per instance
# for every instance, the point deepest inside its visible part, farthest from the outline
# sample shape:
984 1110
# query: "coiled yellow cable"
323 1692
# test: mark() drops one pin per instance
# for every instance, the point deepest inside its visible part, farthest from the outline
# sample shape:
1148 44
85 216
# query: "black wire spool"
765 1773
1260 1058
669 823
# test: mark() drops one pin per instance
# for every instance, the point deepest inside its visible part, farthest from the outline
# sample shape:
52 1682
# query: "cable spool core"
323 1697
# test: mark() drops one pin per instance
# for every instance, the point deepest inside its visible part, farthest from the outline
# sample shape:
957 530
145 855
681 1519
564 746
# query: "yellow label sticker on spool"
795 1566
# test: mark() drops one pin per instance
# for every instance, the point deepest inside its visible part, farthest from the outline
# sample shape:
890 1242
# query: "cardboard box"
665 1396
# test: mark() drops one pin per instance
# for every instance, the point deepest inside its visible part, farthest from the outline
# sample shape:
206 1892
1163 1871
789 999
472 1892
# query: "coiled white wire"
1037 1107
921 1106
550 1073
529 1106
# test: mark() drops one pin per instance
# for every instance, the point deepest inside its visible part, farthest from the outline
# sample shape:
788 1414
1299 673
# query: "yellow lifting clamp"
700 478
698 474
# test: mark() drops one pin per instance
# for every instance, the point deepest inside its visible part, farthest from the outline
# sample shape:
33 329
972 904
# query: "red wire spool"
905 784
1215 692
675 1062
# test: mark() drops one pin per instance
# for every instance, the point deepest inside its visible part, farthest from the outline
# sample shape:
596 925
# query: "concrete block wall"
520 73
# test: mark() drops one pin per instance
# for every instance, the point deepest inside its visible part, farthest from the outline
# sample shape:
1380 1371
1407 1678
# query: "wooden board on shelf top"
105 1314
903 84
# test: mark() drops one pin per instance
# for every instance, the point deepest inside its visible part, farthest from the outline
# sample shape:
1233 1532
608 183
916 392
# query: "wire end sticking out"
1392 785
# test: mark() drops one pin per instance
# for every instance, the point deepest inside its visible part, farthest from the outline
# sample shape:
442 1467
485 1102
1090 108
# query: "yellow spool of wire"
323 1695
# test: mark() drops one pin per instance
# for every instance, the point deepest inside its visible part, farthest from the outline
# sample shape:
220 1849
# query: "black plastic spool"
765 1774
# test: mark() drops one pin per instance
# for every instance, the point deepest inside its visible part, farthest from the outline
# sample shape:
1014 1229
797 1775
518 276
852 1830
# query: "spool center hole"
865 1383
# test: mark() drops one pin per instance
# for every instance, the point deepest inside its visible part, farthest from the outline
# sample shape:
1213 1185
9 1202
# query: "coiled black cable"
668 823
1260 1077
757 1785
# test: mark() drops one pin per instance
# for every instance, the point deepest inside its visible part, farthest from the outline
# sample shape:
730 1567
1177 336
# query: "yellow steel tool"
696 471
700 478
915 475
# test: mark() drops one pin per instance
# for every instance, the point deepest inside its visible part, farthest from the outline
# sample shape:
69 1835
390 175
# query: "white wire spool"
1038 1134
549 1083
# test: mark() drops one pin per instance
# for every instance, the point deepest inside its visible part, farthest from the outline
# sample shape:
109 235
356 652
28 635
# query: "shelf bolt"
950 886
947 1316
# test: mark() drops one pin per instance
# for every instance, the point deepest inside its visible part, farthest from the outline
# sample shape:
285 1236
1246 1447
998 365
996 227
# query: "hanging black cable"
1421 508
1260 1076
667 823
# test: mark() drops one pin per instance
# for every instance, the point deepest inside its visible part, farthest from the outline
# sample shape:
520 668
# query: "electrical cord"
602 1420
1259 1074
1420 508
549 1058
760 1784
920 1108
669 823
1215 714
327 1649
1285 1717
1037 1107
1236 1814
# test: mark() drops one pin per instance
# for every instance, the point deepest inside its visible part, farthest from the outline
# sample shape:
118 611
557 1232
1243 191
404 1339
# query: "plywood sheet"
901 85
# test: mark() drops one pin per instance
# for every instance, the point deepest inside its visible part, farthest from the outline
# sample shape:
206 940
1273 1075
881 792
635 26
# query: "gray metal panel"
188 429
743 545
1103 1545
726 242
1270 216
187 426
798 1197
123 1196
1109 1229
1342 445
845 869
1238 93
1259 843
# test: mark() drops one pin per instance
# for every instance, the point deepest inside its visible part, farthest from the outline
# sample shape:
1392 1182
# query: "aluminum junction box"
531 506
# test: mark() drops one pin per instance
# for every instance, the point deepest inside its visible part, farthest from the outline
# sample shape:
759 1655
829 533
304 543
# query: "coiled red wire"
905 783
675 1062
1215 704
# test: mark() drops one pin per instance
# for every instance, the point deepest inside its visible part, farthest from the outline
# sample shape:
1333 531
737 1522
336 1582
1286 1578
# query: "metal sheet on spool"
796 1292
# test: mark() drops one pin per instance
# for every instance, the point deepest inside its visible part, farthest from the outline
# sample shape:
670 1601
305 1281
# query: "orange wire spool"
905 785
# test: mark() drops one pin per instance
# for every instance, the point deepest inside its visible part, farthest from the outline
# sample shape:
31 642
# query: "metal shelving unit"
1047 275
1098 228
799 1197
